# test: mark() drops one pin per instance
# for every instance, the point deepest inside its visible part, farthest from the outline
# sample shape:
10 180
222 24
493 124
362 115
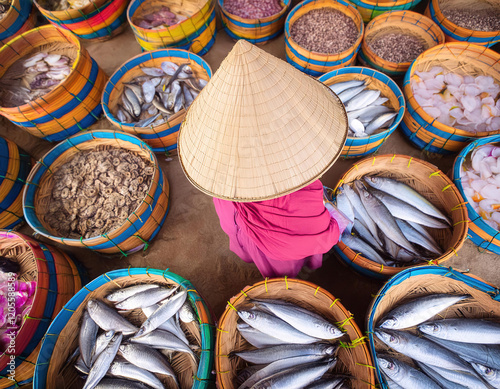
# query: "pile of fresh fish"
480 178
365 108
449 353
127 355
39 74
150 99
293 348
162 18
465 102
4 7
390 221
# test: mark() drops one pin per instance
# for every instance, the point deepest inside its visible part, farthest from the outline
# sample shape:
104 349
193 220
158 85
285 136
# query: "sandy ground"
192 244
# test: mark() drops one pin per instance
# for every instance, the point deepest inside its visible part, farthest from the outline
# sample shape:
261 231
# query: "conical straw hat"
260 129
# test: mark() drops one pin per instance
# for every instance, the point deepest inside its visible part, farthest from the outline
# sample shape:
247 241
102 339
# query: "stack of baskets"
15 166
431 183
354 359
61 340
372 8
138 229
196 33
74 104
57 279
20 18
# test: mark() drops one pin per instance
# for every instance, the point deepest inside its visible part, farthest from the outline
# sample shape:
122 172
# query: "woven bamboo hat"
260 129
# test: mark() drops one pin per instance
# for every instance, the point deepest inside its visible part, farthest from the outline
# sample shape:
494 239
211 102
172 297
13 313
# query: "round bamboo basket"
61 339
100 20
256 31
463 58
369 9
163 137
20 18
355 360
15 166
57 280
196 33
72 105
359 147
316 64
480 233
426 280
139 228
456 33
406 22
431 183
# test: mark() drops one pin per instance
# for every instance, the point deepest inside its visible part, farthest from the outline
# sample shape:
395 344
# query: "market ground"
192 244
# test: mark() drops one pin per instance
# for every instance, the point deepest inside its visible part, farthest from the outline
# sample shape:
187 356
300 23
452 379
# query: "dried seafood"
4 8
157 20
96 191
61 5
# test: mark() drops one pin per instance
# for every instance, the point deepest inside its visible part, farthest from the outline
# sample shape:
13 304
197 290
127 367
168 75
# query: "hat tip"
243 45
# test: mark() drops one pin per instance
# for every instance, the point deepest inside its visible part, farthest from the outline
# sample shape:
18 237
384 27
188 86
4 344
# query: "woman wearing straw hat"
257 138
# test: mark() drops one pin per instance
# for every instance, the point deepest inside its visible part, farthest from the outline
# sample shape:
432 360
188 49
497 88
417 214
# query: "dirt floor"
192 244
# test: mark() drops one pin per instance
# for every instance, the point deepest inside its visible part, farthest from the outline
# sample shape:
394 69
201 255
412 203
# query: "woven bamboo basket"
20 18
426 280
57 280
355 360
463 58
140 227
195 33
61 338
71 106
431 183
456 33
163 137
15 166
316 64
256 31
359 147
407 22
369 9
480 233
100 20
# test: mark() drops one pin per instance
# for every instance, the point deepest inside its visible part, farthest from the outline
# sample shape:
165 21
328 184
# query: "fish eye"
488 371
435 328
392 338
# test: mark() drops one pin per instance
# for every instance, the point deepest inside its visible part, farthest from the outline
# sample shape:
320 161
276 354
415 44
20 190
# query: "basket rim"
390 3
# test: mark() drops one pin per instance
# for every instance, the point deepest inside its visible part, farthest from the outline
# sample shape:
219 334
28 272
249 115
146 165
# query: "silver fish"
132 372
179 102
361 100
116 383
158 104
124 293
153 72
145 298
188 97
127 105
339 87
492 376
147 358
423 231
422 350
135 88
81 367
296 377
333 382
134 101
274 353
358 245
364 234
244 374
348 94
101 365
357 127
177 75
382 121
148 91
381 100
405 375
344 206
171 325
274 326
164 312
404 255
169 68
120 115
163 340
186 313
391 384
257 338
148 121
443 382
100 344
470 380
406 194
368 113
414 236
174 93
390 247
302 319
418 310
108 319
87 338
463 330
382 217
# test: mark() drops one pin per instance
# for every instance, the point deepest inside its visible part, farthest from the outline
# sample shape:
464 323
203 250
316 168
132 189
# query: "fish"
350 93
81 367
416 237
358 245
87 338
154 72
244 374
384 120
361 100
332 382
491 376
274 353
368 114
257 338
364 234
274 326
302 319
160 339
115 383
132 372
405 375
145 298
443 382
463 330
344 205
171 325
408 195
146 358
148 91
164 312
186 313
108 319
101 343
135 103
169 68
101 365
470 380
419 310
421 349
339 87
356 127
124 293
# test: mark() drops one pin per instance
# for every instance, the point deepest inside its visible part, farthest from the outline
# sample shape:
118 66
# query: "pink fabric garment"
281 235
